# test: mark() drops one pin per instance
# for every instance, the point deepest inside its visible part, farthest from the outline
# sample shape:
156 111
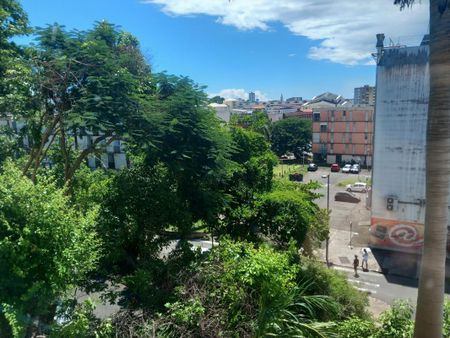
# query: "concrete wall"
399 148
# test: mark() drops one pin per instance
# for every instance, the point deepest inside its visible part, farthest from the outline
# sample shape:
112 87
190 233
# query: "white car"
355 169
357 187
347 168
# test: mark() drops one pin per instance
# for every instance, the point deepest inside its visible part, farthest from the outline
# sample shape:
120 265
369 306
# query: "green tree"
432 274
251 175
257 121
216 99
193 145
46 248
291 135
93 84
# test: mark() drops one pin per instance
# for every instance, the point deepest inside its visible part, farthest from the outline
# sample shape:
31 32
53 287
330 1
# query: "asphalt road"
342 213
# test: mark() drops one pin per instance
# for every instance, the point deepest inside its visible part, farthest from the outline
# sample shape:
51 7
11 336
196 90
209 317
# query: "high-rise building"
364 95
398 194
252 97
281 98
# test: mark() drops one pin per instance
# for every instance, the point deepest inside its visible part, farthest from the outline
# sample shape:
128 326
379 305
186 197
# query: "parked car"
347 168
296 177
357 187
355 169
312 167
335 168
345 196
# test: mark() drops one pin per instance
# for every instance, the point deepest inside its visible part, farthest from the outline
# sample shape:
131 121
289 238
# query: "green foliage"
285 215
334 284
93 84
396 322
258 121
243 291
90 187
194 147
216 99
291 135
82 323
446 321
46 246
355 328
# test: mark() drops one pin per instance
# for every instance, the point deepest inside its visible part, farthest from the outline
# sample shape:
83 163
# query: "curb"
351 268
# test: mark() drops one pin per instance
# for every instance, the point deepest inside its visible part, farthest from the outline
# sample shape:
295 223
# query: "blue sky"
239 47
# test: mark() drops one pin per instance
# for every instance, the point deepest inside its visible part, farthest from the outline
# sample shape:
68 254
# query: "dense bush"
243 291
334 284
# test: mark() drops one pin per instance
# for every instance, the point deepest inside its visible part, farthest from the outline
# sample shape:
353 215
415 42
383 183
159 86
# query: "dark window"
344 113
316 117
323 128
111 163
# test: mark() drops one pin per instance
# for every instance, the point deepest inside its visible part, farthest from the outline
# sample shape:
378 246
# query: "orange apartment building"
343 135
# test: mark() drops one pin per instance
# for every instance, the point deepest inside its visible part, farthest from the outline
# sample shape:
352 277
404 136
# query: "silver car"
357 187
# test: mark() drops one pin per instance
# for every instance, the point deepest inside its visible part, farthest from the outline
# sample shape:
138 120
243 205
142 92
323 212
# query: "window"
323 128
111 162
344 113
316 117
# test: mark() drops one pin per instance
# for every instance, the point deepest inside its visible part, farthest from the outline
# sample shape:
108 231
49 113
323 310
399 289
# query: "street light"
328 212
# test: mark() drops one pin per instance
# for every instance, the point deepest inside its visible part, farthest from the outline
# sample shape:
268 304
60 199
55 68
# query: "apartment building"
364 95
343 135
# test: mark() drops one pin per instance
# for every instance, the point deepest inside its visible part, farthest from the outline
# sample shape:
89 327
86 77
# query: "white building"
223 111
398 192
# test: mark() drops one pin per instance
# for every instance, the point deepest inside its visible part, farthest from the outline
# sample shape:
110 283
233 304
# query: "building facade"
251 97
343 135
222 110
364 95
399 180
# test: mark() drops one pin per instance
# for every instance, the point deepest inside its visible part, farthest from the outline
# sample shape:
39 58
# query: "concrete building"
223 111
398 192
343 135
295 99
327 100
251 97
231 103
364 95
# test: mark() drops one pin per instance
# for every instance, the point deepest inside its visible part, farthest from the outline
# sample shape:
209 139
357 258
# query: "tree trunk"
432 274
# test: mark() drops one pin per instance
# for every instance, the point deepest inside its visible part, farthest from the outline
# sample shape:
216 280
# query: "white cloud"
292 55
239 93
344 30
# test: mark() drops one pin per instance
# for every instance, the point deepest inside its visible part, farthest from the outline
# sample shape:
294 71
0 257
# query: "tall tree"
92 84
291 135
430 300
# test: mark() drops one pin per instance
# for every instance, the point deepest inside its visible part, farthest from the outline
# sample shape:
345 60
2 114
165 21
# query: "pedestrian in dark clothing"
355 265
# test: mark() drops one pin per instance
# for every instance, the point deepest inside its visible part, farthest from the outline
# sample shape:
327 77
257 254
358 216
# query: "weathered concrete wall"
399 147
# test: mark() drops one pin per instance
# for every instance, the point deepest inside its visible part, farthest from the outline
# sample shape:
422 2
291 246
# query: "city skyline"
260 46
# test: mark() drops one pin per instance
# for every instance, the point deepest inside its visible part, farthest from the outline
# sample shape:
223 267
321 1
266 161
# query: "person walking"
365 259
355 265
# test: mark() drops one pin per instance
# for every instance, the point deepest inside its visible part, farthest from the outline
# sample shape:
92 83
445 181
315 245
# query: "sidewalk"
342 254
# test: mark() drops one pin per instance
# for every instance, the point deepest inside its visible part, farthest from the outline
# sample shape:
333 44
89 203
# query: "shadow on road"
402 268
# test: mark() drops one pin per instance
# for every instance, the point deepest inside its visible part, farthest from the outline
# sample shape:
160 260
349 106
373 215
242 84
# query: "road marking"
350 269
366 290
363 282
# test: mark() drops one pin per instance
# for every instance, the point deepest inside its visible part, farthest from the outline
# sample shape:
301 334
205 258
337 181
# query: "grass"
286 169
352 180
